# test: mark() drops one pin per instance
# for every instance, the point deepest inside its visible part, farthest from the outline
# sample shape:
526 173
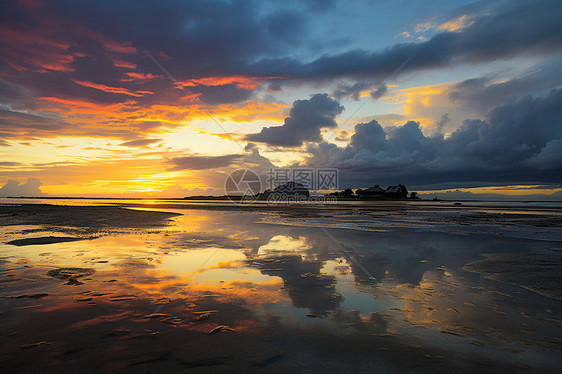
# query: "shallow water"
316 295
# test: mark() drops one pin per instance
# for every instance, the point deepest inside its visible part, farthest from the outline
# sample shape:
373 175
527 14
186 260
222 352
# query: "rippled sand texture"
219 288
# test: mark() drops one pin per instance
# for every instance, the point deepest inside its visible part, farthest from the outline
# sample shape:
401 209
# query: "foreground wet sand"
107 289
541 273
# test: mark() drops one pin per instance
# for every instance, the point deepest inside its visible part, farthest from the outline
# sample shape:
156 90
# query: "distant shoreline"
225 198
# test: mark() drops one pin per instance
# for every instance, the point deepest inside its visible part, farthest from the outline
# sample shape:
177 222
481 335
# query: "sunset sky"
165 98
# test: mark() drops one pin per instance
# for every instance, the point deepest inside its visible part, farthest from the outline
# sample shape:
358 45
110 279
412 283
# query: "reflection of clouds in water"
250 264
200 240
134 264
255 260
162 284
278 256
306 285
232 264
296 255
405 266
401 258
280 244
372 323
199 229
416 269
405 256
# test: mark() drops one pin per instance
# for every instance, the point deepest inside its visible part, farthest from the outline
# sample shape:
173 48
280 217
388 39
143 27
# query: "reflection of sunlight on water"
196 220
147 209
194 259
212 265
101 253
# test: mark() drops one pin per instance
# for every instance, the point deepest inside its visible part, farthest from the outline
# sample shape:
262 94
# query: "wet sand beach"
541 273
215 287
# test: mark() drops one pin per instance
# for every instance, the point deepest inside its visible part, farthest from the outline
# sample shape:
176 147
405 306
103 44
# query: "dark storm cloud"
519 142
354 90
286 26
306 119
48 48
10 92
203 162
249 147
275 86
19 125
98 51
201 38
518 28
445 119
379 92
223 94
13 124
351 90
482 93
217 38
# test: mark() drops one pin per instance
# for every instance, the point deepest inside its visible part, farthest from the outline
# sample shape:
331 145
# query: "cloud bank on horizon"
436 95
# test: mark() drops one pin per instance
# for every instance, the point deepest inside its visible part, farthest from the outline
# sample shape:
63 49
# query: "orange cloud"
47 47
127 119
17 37
233 264
117 90
125 47
141 76
71 102
30 50
245 83
457 24
425 104
117 120
124 64
60 65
